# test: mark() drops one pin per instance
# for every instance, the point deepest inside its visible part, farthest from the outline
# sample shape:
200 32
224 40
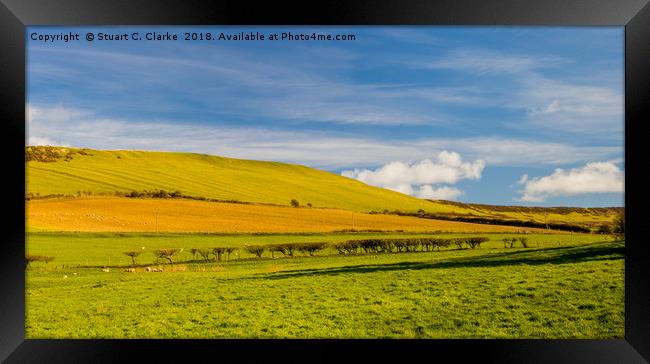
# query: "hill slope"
116 214
585 216
66 171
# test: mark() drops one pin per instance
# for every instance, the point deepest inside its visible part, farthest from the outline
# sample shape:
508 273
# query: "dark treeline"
489 220
420 213
360 246
170 194
51 154
133 194
30 258
562 210
163 194
404 245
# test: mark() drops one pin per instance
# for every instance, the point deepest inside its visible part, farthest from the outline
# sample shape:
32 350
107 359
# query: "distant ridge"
73 171
63 171
533 209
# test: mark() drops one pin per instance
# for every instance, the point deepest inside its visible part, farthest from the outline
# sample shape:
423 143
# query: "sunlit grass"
166 215
569 287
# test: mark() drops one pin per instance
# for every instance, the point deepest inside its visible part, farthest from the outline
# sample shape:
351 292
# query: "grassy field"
214 177
100 171
592 217
571 286
171 215
105 249
563 285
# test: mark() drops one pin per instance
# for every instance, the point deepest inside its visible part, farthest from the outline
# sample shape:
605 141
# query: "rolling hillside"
115 214
58 171
591 216
68 171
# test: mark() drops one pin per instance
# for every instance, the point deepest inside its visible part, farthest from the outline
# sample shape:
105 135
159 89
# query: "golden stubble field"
113 214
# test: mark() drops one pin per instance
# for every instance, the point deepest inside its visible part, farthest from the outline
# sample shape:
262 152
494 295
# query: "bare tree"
29 258
475 241
524 242
256 249
204 253
311 248
133 255
167 253
229 250
218 252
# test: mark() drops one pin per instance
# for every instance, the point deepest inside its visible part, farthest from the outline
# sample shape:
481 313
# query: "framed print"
439 178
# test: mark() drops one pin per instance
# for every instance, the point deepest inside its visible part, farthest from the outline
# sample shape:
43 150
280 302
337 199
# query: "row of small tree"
296 203
367 246
30 258
511 242
310 248
213 253
288 249
165 254
404 245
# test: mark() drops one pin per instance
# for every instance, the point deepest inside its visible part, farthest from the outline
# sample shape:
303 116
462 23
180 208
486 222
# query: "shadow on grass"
562 255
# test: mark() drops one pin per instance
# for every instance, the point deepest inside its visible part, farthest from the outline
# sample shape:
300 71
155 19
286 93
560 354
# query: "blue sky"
501 115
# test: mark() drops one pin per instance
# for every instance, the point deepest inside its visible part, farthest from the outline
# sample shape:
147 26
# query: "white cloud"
82 128
295 88
498 151
485 61
35 140
441 193
596 177
587 106
576 108
417 179
404 188
523 179
54 114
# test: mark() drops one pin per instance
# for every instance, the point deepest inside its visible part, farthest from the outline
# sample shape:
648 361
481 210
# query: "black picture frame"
15 15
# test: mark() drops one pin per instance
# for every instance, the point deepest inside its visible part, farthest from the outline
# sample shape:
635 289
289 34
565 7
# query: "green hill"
592 217
71 172
68 171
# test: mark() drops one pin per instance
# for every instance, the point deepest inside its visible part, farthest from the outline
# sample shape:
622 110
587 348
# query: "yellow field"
113 214
106 172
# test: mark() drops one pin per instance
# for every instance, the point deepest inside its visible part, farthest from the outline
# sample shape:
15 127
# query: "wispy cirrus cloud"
486 94
302 93
576 108
83 128
484 61
587 106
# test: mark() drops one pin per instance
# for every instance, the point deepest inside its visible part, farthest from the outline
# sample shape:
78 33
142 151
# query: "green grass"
569 287
213 177
106 249
216 178
589 216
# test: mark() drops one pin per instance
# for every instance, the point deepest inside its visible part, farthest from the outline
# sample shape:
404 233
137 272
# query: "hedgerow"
358 246
488 220
133 254
167 253
30 258
403 245
258 250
